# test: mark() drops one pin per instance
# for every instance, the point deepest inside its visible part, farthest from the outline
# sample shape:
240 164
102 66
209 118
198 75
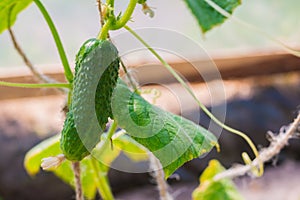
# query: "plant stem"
134 87
104 30
36 85
188 89
126 16
110 2
41 77
78 188
104 144
101 181
27 62
61 51
158 174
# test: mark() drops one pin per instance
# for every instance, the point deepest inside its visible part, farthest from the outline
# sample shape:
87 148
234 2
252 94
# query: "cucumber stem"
126 16
104 30
112 23
207 112
60 48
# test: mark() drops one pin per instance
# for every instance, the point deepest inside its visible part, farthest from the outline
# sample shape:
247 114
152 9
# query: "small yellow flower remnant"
52 162
107 11
147 10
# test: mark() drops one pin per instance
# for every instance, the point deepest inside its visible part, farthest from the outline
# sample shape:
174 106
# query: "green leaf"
47 148
50 147
210 190
132 149
11 8
172 139
207 16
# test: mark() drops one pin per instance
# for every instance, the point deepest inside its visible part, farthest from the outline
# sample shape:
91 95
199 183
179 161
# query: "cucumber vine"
60 48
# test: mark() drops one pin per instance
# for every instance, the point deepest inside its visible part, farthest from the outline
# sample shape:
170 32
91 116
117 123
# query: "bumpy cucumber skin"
75 146
70 142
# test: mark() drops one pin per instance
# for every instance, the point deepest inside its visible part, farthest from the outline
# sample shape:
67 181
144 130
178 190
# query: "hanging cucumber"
96 73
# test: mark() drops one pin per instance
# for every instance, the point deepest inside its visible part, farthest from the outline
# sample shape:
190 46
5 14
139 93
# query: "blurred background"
261 89
78 21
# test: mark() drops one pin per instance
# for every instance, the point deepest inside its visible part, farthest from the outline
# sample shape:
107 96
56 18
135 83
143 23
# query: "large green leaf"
11 8
50 147
172 139
206 15
208 189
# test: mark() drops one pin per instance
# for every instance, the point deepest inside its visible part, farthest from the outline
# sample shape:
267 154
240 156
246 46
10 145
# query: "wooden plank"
229 67
23 75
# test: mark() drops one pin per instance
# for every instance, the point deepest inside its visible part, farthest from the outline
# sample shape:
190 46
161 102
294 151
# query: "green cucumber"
96 74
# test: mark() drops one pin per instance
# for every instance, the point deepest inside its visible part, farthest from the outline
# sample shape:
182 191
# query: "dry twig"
278 142
158 174
78 188
27 62
99 4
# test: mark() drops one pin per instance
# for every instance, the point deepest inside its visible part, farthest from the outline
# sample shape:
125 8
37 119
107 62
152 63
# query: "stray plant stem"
278 142
78 188
207 112
101 181
100 12
36 85
253 27
62 54
158 174
129 77
27 62
126 16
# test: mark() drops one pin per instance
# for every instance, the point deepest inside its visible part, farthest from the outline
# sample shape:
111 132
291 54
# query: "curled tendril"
155 93
257 171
